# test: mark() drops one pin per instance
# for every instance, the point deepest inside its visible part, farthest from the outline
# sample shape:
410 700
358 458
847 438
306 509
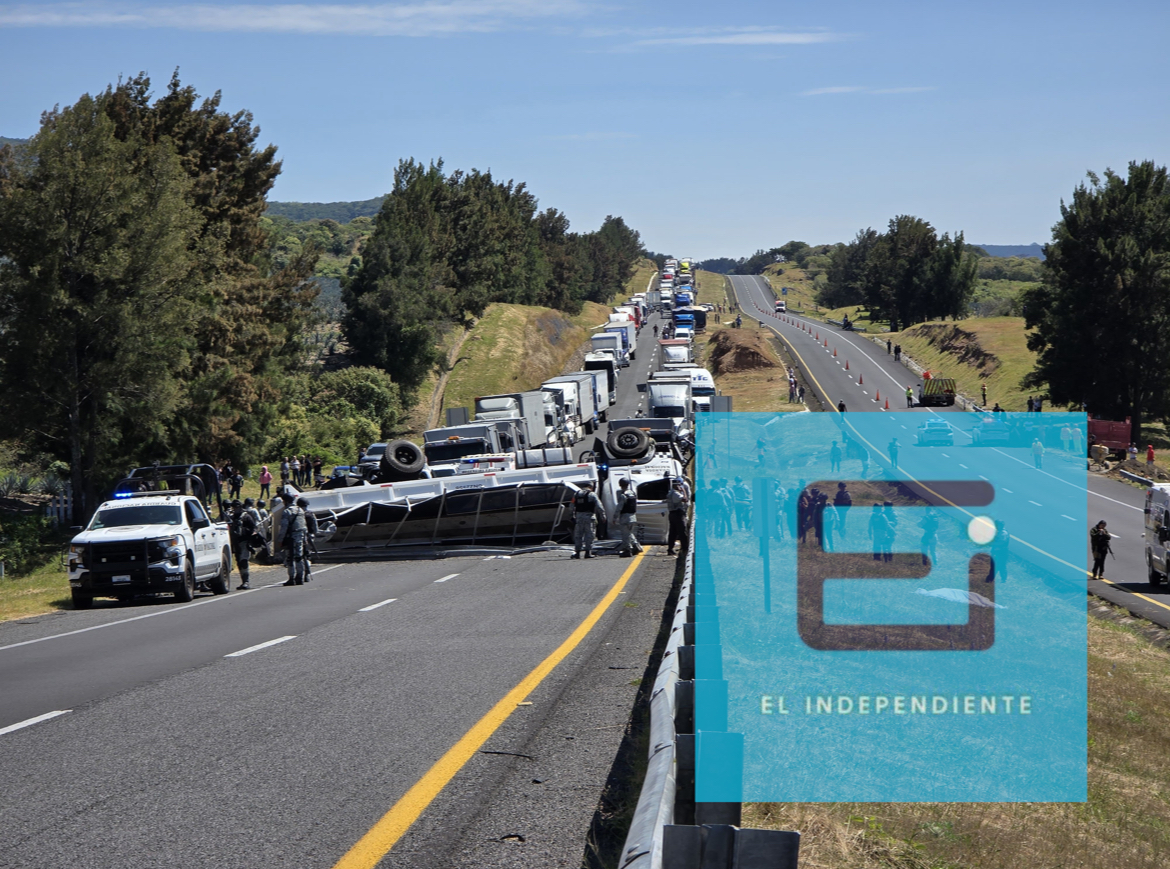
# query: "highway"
284 726
871 371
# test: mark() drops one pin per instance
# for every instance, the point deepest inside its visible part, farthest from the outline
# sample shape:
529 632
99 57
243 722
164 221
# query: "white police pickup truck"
146 543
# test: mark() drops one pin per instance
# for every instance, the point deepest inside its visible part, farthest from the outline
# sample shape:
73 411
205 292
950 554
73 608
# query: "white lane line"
375 606
29 722
1067 483
326 569
945 456
981 477
236 595
964 467
1114 536
1069 518
260 646
901 424
452 575
1037 503
1009 491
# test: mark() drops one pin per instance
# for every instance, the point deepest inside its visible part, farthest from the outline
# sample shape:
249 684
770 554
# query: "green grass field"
1124 825
973 351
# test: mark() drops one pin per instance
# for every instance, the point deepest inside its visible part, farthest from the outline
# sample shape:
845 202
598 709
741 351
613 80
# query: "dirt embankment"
733 350
962 345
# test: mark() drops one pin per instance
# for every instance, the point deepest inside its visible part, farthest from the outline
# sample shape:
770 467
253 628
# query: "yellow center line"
375 844
1134 593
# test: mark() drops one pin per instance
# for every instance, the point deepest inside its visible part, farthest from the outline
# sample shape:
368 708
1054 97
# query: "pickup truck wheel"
627 443
186 591
82 600
1155 577
402 460
221 583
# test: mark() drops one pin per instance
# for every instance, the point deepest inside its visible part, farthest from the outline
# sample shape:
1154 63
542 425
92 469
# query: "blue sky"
713 129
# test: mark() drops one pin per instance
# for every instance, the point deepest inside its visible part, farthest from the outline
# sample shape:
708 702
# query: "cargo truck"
604 362
529 407
674 350
626 328
579 399
670 398
611 342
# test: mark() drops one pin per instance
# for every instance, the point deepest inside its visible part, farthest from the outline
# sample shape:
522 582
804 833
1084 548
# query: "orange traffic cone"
818 336
846 364
861 380
878 395
887 404
826 343
834 351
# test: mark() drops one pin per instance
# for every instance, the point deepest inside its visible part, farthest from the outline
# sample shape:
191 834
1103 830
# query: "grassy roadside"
973 351
44 590
1124 825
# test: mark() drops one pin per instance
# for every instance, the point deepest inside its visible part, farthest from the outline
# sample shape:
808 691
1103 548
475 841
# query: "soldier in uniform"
586 510
310 534
242 527
293 527
627 518
676 506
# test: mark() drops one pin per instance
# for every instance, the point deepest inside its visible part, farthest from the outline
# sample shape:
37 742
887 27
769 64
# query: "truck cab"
1157 533
149 542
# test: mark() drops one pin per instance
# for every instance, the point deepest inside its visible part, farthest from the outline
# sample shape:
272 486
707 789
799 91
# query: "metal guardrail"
669 829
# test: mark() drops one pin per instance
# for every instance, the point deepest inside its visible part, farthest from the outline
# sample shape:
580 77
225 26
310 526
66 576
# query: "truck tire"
403 460
82 600
627 443
186 590
1155 577
221 583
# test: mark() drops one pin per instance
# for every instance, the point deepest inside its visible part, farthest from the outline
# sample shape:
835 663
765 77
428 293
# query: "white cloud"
747 36
816 92
426 18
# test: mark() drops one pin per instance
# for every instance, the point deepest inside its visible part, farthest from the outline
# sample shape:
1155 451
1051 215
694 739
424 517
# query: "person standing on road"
655 330
893 448
241 527
676 506
587 512
1150 456
293 526
311 529
265 480
842 501
999 553
841 406
909 396
897 352
1101 543
835 458
1038 454
743 504
930 536
627 502
889 346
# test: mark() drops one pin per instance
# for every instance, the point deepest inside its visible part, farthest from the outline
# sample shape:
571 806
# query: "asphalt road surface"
872 372
278 727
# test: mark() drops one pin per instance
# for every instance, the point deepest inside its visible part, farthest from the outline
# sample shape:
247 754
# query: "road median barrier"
670 830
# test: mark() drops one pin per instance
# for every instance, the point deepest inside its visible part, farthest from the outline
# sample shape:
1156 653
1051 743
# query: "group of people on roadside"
302 471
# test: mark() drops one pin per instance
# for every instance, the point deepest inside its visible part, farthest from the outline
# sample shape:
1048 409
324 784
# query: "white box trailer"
526 406
611 342
623 325
604 363
585 385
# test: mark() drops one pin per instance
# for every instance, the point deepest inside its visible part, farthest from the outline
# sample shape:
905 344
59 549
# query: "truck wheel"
402 460
1155 577
82 600
627 443
221 583
186 591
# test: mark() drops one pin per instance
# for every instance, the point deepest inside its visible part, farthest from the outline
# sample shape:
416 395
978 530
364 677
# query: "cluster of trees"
338 245
140 315
444 247
906 275
1102 314
338 212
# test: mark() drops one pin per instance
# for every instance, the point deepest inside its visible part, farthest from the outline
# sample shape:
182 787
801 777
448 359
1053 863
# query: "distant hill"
1036 250
4 140
342 212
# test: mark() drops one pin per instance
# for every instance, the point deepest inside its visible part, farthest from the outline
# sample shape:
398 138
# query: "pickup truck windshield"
139 514
454 451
